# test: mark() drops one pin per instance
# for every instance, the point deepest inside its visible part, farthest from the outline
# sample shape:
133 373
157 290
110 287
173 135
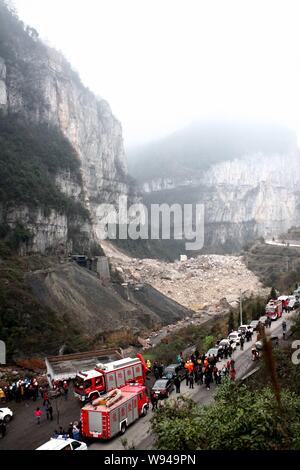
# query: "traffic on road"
102 404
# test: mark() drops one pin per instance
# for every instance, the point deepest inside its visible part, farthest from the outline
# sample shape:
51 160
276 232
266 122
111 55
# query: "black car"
162 388
172 370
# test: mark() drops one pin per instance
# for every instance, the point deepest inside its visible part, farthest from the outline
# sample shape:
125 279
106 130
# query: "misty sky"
164 63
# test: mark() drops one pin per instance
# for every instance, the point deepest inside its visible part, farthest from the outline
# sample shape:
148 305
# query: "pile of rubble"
207 283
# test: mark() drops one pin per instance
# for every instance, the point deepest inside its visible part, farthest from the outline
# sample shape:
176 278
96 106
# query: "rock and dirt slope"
207 282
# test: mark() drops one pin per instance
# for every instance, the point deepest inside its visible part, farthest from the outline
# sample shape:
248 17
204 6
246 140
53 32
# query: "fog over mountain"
207 142
245 173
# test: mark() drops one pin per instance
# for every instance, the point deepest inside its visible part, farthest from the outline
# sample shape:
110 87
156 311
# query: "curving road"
138 435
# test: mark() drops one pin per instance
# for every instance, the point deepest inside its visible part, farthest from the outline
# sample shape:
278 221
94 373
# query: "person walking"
38 415
242 341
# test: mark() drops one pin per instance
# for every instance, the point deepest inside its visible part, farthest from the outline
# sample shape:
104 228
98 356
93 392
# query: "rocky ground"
206 284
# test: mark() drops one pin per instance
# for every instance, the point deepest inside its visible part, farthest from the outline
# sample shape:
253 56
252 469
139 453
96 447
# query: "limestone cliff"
39 86
246 193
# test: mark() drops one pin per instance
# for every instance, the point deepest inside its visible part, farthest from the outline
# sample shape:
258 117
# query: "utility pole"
241 308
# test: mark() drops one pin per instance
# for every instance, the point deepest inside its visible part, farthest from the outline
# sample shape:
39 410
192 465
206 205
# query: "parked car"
293 303
213 352
6 414
235 337
254 324
274 339
172 370
162 388
225 342
244 328
62 443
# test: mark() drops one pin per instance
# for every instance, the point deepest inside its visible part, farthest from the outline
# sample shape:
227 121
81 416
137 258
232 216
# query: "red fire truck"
107 420
91 384
274 309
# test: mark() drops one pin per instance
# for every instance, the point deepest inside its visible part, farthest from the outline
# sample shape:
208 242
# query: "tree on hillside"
231 322
208 342
239 419
273 293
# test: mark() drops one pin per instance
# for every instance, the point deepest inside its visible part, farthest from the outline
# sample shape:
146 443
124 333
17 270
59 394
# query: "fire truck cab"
91 384
106 421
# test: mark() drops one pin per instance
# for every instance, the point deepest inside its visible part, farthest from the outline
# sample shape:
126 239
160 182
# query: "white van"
62 443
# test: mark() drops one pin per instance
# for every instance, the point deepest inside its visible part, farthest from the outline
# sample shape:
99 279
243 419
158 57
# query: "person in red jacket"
38 415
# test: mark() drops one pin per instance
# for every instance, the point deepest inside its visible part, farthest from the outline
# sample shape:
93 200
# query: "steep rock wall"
38 84
256 195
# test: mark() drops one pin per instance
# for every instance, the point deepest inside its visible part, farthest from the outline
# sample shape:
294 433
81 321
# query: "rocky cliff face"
37 83
256 195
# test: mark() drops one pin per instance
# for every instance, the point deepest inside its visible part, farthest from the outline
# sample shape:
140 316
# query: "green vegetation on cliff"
30 158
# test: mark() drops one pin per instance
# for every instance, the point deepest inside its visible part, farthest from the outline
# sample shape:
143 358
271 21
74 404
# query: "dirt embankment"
78 296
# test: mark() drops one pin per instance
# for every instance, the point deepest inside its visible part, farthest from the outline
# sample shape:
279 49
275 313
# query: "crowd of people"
73 431
20 390
199 370
30 389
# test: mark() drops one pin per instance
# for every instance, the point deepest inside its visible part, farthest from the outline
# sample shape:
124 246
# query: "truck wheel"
145 411
94 397
123 428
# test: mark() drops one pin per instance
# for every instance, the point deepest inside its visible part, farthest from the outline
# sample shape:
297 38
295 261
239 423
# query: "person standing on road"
38 415
283 329
45 398
155 370
242 341
2 428
177 383
66 389
191 380
154 402
208 378
70 431
49 412
76 432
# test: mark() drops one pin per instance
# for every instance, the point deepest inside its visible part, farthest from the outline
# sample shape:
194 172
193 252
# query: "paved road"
24 433
138 435
293 243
